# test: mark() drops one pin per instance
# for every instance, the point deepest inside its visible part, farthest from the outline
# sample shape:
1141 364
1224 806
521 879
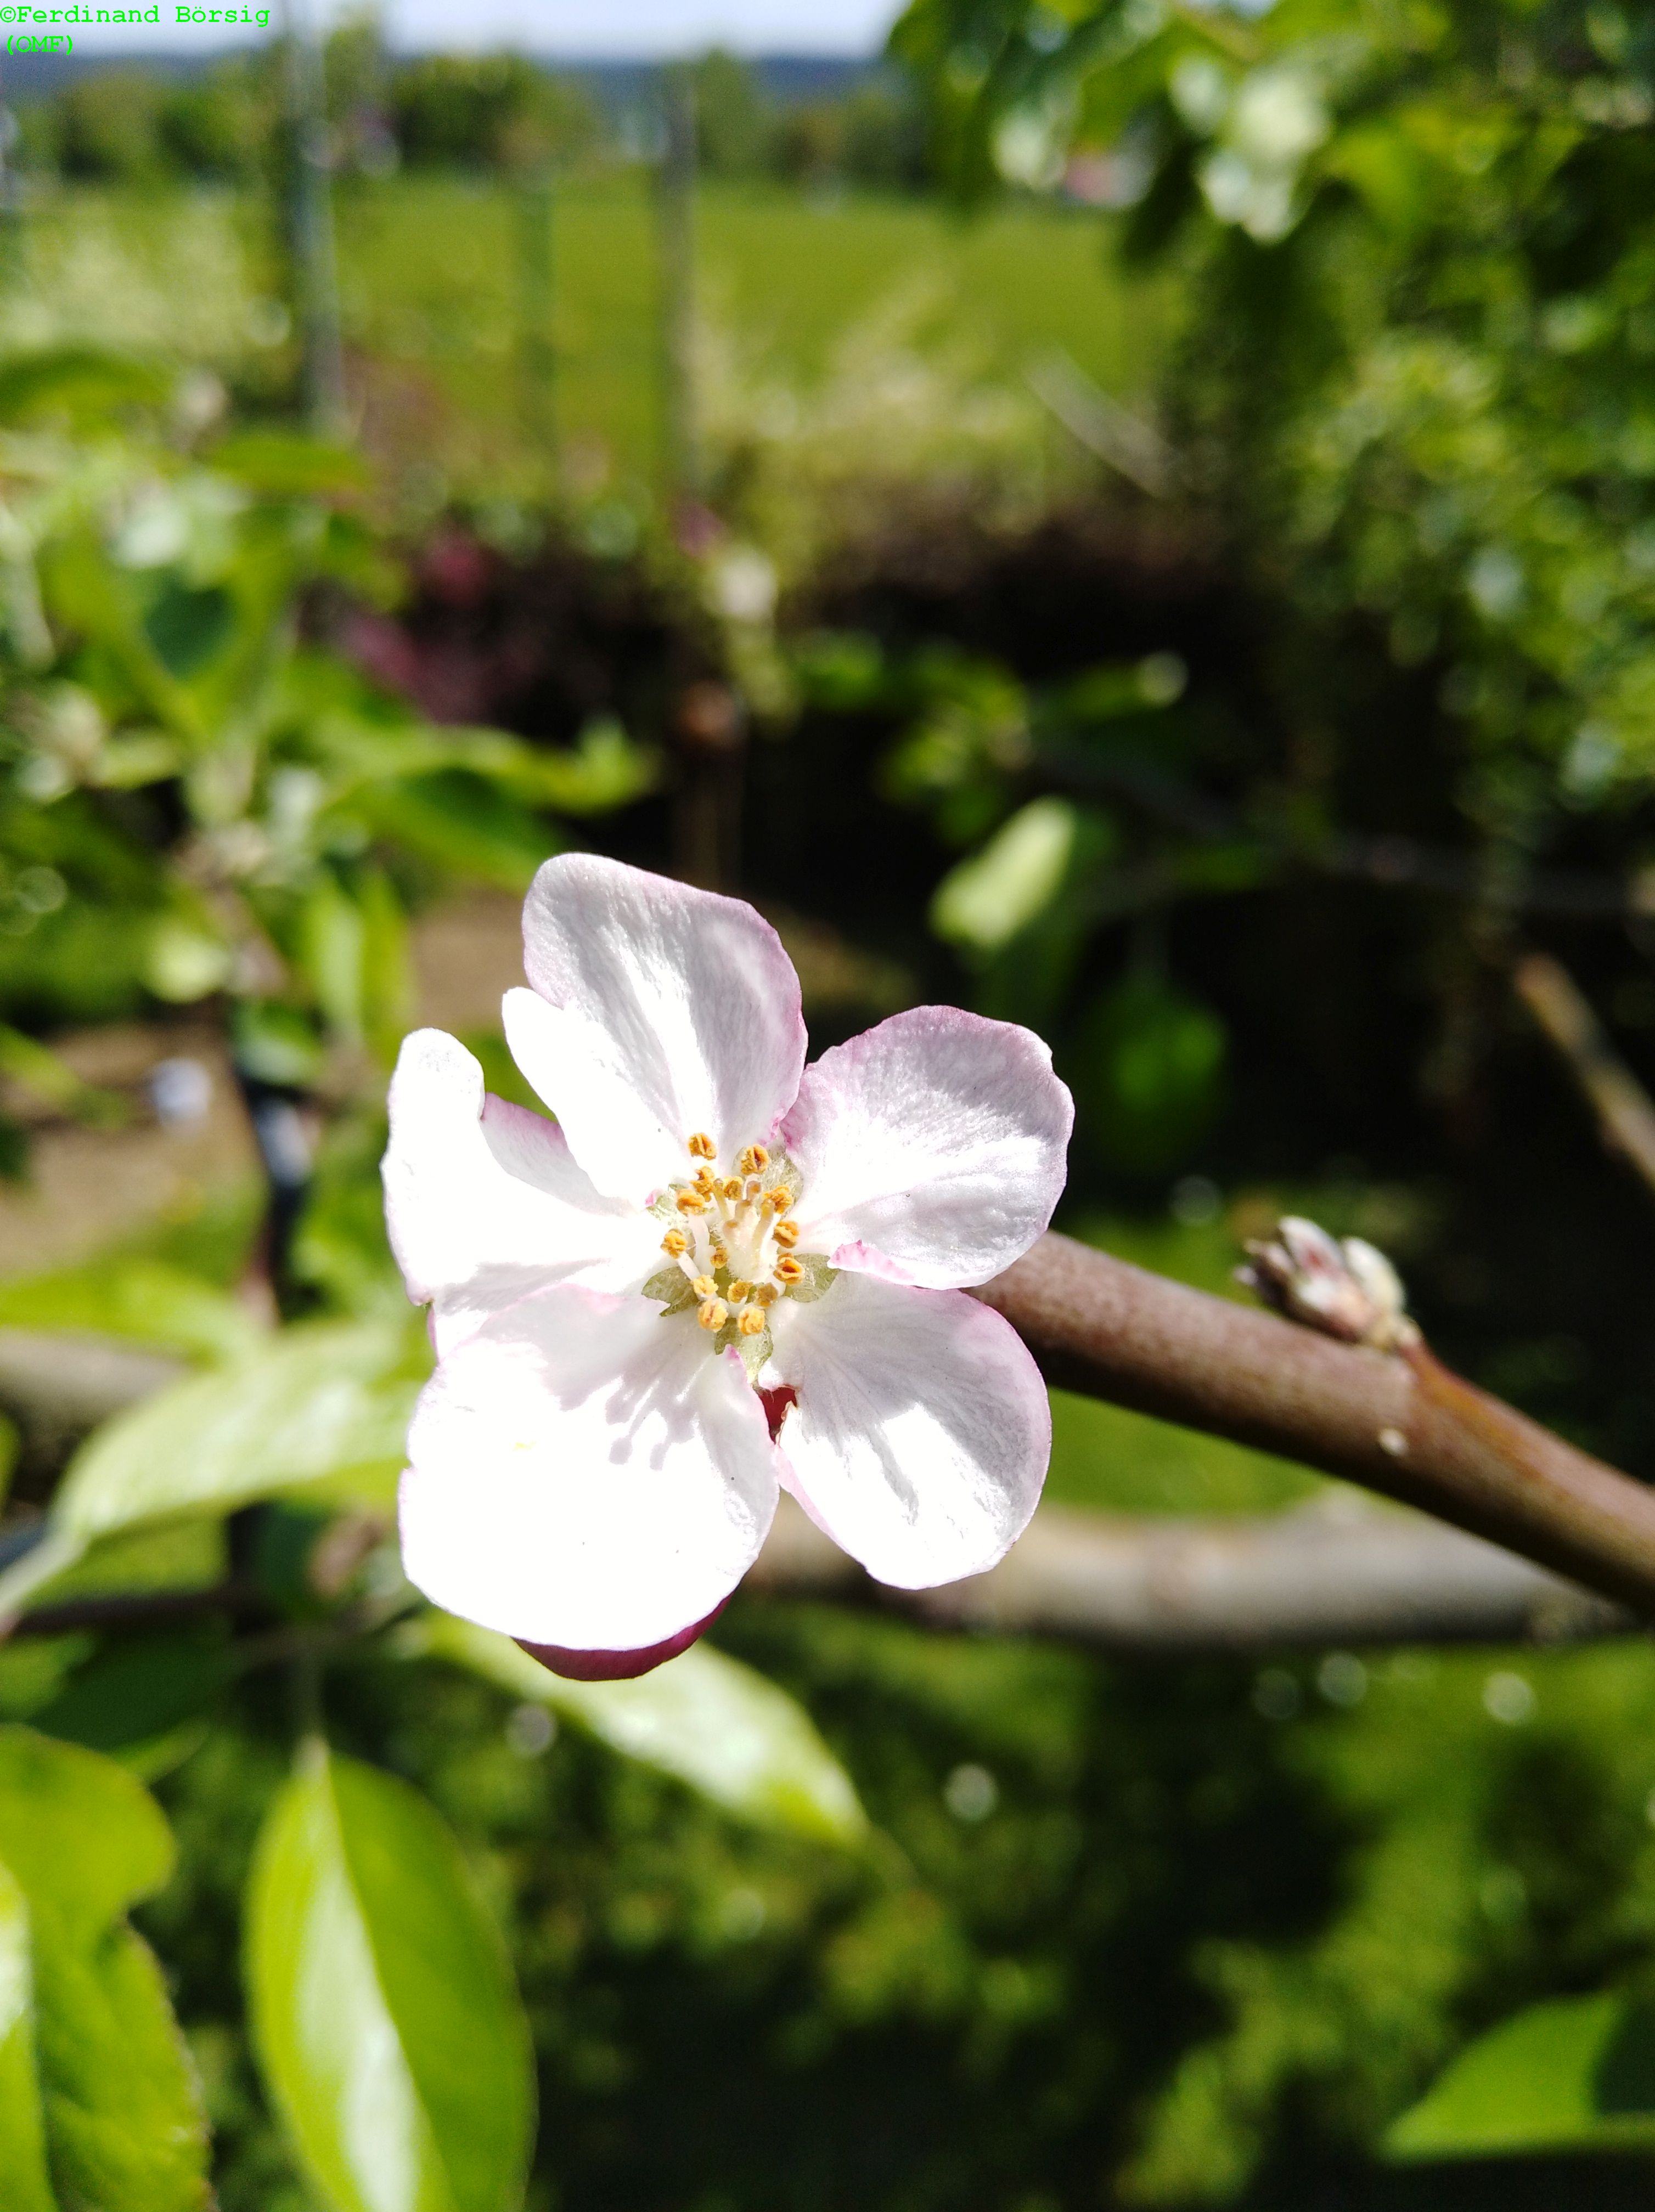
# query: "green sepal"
671 1286
817 1281
782 1174
754 1349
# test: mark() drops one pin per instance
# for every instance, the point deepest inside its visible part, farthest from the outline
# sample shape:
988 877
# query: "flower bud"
1347 1290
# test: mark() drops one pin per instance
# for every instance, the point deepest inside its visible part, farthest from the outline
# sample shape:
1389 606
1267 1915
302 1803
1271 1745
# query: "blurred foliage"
871 134
1432 224
499 112
1193 1933
196 797
488 110
844 1912
1411 391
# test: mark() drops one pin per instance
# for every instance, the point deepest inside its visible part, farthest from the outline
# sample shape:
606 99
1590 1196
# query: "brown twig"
1626 1117
1174 1585
1396 1422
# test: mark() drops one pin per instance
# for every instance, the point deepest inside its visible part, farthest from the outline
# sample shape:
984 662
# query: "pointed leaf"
324 1407
1574 2074
705 1718
387 2020
23 2139
82 1841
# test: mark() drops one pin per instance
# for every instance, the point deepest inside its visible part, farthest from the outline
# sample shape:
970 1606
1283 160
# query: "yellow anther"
786 1234
751 1323
704 1287
778 1200
691 1201
704 1182
754 1160
767 1294
789 1270
675 1243
701 1146
712 1314
731 1189
741 1292
721 1257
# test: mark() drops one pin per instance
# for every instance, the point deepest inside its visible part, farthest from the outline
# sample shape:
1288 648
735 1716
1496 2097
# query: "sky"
595 29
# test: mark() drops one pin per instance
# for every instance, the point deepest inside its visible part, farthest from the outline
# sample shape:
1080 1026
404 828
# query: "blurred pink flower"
718 1273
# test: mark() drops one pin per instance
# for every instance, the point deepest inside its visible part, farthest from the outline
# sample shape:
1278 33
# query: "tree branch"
1396 1422
1626 1118
1336 1572
1179 1586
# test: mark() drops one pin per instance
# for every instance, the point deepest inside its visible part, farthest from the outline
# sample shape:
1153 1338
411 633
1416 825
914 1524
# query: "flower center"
732 1247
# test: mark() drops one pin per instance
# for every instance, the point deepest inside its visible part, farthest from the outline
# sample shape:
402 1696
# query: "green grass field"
438 300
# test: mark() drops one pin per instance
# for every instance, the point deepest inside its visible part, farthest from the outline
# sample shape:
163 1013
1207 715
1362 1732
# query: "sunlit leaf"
283 465
80 1842
22 2138
705 1718
324 1410
386 2022
1574 2074
140 1298
984 900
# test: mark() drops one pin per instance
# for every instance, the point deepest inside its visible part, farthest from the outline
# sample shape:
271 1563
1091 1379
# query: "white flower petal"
932 1148
586 1474
484 1202
657 1011
921 1430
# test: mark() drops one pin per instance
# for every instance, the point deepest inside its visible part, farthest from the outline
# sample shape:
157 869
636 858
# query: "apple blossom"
716 1274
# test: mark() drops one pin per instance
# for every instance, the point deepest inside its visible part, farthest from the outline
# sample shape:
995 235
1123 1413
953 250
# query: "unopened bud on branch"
1346 1289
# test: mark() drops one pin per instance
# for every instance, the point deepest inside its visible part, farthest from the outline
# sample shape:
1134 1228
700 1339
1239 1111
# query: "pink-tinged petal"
658 1012
921 1430
932 1148
586 1475
483 1201
617 1666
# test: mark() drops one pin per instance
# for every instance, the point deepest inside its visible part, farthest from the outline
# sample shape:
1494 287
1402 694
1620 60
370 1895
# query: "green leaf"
90 2055
986 900
1573 2074
325 1402
706 1719
23 2133
135 1692
138 1298
324 1410
283 465
384 2015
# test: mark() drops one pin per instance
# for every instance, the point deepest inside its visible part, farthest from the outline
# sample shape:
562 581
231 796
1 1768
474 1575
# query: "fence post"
537 346
676 237
11 196
310 217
